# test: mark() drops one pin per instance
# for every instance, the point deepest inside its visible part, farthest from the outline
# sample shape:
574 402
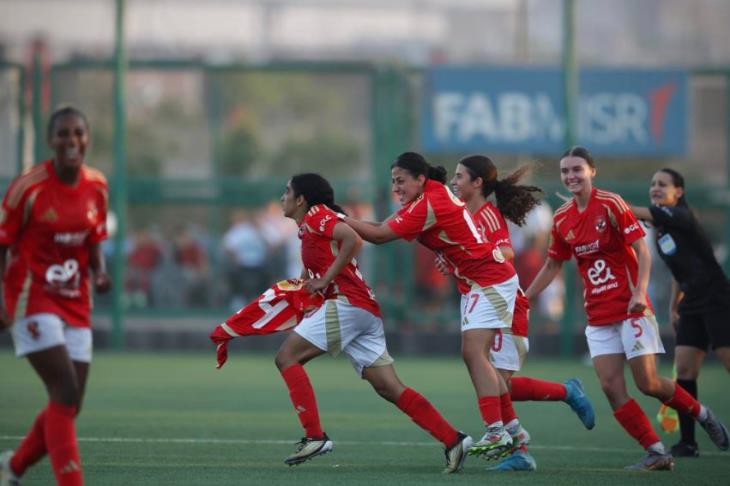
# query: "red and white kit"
49 226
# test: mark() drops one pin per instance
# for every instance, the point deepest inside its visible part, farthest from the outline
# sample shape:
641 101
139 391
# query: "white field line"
203 441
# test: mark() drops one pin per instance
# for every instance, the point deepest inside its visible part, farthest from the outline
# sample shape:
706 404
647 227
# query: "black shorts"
708 328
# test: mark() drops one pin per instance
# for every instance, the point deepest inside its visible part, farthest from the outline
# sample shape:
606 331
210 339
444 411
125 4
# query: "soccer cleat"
575 397
7 476
685 449
520 438
519 460
493 445
653 461
456 454
716 430
308 448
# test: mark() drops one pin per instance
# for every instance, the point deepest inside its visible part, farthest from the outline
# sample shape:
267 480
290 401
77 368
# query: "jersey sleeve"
495 228
410 221
625 220
11 216
559 249
99 233
323 223
672 216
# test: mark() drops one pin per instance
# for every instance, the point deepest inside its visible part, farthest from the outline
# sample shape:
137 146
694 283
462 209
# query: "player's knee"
648 386
283 360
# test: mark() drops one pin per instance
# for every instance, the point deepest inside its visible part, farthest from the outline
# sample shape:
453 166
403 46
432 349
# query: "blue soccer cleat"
579 402
519 460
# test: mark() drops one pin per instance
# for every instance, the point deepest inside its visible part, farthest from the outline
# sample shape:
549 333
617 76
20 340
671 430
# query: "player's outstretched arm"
642 213
377 233
546 275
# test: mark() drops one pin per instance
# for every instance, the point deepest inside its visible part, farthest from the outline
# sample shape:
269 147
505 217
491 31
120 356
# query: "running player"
599 229
53 219
475 179
700 300
487 281
348 322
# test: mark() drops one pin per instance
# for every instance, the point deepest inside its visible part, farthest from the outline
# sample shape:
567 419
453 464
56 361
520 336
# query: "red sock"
633 419
531 389
303 399
489 407
32 448
420 410
60 433
683 402
506 409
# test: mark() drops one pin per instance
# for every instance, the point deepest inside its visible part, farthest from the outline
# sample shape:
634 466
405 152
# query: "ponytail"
416 164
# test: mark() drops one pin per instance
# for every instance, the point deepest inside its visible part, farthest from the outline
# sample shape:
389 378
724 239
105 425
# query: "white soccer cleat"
7 476
493 445
307 448
456 454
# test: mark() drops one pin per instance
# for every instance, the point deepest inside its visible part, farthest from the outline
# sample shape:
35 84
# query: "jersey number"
636 324
497 344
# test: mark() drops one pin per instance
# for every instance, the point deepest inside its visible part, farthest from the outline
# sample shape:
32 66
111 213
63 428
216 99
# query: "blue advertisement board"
521 110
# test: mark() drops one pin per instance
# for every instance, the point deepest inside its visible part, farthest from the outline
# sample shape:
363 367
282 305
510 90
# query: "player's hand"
674 319
102 282
316 285
5 321
637 302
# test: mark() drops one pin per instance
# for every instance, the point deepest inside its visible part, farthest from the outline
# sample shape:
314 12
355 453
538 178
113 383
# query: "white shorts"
338 327
633 337
508 351
489 307
43 331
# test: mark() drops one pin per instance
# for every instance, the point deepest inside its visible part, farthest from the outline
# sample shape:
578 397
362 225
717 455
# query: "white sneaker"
495 442
308 448
7 476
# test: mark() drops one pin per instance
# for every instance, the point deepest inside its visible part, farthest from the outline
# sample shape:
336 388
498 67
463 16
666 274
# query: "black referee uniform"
684 247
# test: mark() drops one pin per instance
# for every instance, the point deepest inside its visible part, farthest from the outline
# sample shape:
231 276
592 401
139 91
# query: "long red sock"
531 389
32 448
303 399
633 419
489 407
683 402
423 413
60 434
506 409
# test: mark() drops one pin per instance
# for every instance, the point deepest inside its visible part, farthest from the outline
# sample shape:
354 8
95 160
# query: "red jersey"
493 227
319 251
278 309
49 226
600 237
442 223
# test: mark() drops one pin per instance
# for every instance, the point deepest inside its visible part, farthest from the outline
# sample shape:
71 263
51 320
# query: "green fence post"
20 139
120 184
37 108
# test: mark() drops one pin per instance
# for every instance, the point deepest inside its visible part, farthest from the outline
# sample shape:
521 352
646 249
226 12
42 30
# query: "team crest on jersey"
50 215
92 212
600 224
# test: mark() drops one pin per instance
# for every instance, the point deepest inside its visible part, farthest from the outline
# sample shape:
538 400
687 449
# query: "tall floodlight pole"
570 96
119 192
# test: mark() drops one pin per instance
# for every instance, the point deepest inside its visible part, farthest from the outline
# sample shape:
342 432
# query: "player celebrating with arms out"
487 283
700 300
348 322
475 179
599 229
53 220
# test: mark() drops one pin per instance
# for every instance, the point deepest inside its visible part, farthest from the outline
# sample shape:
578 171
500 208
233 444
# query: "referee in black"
700 301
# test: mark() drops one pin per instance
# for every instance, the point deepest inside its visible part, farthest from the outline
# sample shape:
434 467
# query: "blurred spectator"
144 257
246 254
192 260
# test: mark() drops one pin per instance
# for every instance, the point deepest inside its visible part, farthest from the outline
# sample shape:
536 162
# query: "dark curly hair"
514 201
315 189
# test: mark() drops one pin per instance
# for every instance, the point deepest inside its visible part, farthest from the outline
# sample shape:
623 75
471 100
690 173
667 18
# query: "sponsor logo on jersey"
591 247
631 228
74 238
64 278
601 277
323 222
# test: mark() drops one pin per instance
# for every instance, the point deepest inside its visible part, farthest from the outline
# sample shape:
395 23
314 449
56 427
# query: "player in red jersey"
348 322
487 282
475 179
53 220
599 229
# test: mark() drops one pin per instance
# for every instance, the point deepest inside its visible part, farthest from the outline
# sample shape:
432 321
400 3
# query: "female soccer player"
700 300
53 219
348 322
599 229
487 281
475 179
